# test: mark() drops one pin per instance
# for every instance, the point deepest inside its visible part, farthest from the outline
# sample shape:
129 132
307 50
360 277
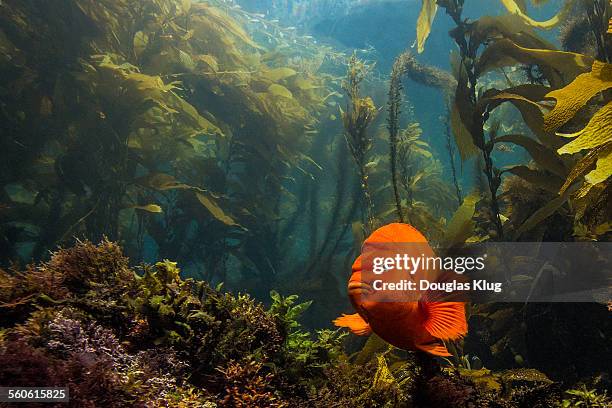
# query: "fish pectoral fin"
354 323
437 348
444 320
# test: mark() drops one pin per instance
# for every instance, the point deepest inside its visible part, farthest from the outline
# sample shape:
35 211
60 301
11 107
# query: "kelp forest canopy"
252 154
163 124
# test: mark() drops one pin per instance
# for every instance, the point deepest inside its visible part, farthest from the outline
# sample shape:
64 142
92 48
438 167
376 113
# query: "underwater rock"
484 388
119 336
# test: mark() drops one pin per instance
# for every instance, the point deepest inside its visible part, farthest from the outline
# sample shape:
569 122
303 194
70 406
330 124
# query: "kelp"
359 114
429 9
599 13
393 123
463 137
544 212
506 52
461 226
597 132
595 136
424 22
513 7
492 43
536 177
573 97
603 168
425 196
543 156
427 75
168 103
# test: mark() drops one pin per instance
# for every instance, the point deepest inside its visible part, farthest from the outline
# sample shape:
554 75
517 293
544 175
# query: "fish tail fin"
444 320
436 348
354 323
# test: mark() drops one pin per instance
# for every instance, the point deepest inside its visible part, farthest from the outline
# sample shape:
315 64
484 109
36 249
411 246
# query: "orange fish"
413 325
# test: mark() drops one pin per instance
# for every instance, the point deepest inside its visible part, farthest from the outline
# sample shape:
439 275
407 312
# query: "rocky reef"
123 336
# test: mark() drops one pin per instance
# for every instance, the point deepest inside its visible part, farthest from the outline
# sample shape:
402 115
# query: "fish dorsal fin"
397 232
355 324
444 320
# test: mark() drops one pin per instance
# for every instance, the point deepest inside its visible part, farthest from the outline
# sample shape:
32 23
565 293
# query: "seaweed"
120 336
163 118
152 336
359 114
494 42
393 123
583 397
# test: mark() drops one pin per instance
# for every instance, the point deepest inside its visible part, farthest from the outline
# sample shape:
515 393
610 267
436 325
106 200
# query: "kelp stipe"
359 114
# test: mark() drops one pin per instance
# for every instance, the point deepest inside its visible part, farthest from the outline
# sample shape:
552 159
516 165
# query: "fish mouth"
359 288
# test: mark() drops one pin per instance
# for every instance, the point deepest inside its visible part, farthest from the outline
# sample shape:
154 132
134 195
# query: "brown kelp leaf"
584 164
185 6
141 40
513 7
424 22
151 84
278 74
152 208
544 157
505 52
508 26
509 96
574 96
305 84
525 98
210 203
461 226
279 90
544 212
186 61
208 61
463 138
596 133
203 125
222 20
537 178
162 182
603 169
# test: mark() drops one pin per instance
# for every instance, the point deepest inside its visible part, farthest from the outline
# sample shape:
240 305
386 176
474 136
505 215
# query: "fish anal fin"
354 323
437 349
444 320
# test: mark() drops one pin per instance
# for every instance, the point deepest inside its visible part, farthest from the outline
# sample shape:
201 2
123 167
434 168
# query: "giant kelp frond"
506 52
596 136
424 22
515 8
577 94
596 133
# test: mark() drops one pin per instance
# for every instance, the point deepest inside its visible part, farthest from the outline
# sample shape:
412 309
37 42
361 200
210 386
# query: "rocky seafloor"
122 336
